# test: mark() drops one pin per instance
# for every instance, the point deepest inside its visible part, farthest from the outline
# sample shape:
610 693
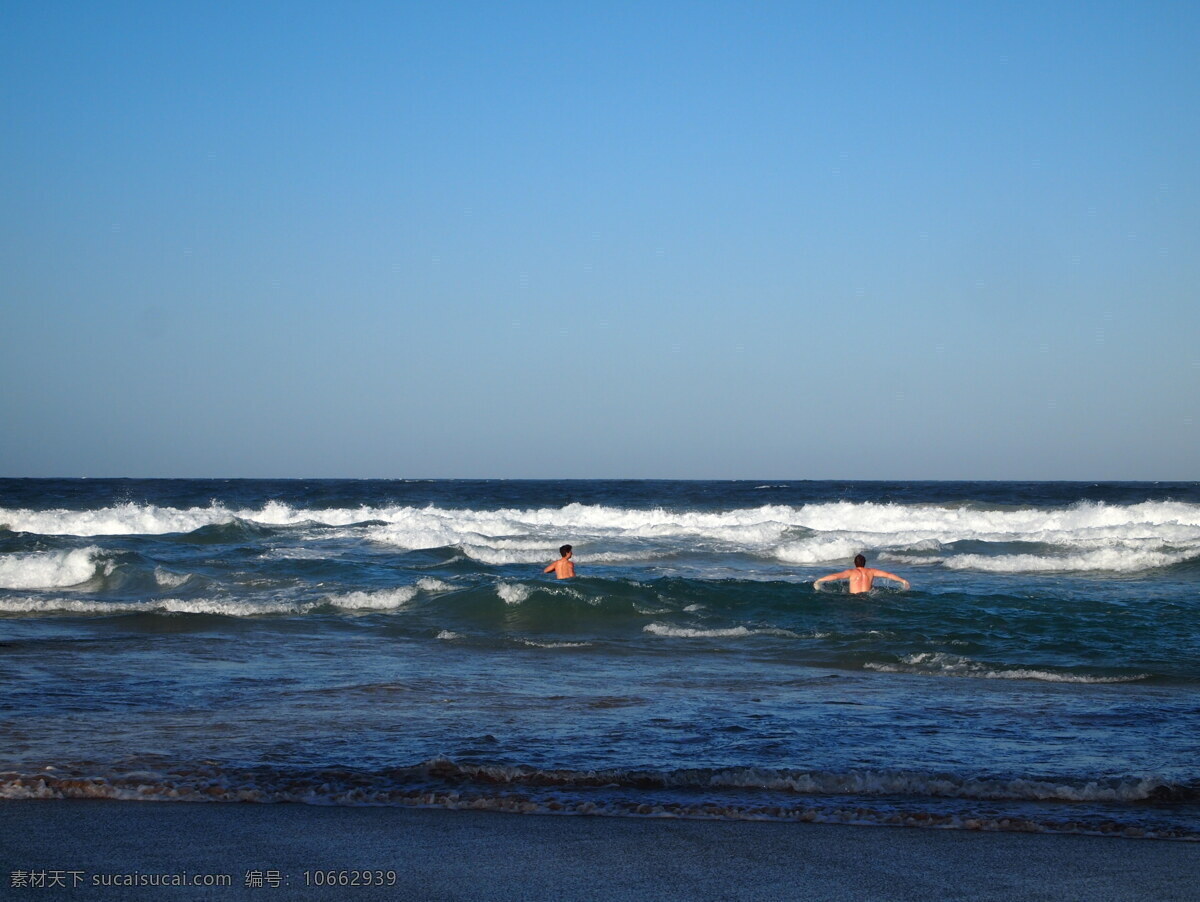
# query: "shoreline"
438 854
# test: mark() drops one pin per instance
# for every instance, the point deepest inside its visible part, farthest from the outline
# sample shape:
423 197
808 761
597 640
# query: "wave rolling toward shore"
394 643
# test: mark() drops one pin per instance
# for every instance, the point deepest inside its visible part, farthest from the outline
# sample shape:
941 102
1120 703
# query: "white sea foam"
149 519
124 519
402 524
430 584
534 643
513 593
942 664
968 522
223 606
1148 534
48 569
381 600
1111 559
377 600
686 632
448 635
169 580
837 530
66 606
820 549
506 551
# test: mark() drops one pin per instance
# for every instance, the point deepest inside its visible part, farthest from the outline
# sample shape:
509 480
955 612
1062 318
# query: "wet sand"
445 855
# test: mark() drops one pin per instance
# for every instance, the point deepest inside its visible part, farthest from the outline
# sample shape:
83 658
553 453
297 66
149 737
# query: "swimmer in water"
861 577
563 568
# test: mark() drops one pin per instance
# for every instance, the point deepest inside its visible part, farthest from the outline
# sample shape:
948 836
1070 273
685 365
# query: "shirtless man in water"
861 577
563 568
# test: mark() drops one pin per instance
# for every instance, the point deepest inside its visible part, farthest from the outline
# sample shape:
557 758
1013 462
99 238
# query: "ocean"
395 643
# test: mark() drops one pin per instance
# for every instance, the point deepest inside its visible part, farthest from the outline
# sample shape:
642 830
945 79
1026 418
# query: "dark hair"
563 551
860 561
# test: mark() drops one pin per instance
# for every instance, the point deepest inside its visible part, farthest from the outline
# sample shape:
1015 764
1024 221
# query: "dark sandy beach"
475 855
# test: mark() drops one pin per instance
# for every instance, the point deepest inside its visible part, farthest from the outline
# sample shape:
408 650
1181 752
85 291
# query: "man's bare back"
861 577
563 568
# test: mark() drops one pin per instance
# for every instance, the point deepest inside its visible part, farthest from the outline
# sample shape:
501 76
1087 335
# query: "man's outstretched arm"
845 574
900 579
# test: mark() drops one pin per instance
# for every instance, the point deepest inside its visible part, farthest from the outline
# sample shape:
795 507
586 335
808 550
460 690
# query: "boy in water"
861 576
563 568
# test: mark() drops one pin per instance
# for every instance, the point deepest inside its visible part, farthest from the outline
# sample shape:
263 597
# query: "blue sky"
563 240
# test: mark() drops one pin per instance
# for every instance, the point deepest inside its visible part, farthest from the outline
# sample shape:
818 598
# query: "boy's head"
565 550
860 561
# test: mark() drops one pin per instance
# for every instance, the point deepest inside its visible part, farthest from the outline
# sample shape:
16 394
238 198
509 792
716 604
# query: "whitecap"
432 584
685 632
942 664
48 569
513 593
1119 560
168 580
380 600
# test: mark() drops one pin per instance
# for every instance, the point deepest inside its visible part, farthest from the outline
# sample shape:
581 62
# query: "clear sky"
785 240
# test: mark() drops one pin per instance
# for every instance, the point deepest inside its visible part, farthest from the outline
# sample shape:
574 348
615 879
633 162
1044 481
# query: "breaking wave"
1115 560
379 600
1082 536
49 569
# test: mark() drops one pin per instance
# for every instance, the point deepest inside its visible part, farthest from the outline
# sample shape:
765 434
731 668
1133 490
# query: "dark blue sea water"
396 643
